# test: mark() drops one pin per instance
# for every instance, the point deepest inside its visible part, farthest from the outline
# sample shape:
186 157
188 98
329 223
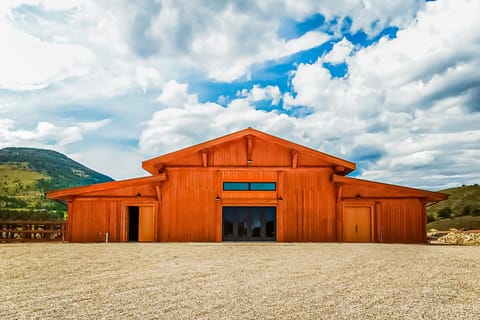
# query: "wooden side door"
146 224
357 224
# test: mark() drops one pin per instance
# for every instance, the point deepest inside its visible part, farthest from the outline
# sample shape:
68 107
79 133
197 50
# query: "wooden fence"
32 231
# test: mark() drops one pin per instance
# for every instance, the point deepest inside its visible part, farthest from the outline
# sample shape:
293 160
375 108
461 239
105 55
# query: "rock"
460 237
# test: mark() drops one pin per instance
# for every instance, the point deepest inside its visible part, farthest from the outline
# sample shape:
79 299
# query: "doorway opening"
133 219
249 223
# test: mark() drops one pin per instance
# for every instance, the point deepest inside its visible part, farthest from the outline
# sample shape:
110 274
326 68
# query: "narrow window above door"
249 186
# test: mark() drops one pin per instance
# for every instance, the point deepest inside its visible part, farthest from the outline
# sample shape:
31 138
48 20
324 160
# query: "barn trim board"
188 191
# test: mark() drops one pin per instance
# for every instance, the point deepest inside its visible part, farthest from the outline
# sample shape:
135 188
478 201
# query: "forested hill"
62 171
27 173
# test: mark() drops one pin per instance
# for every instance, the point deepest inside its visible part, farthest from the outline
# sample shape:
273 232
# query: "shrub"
466 210
445 213
431 218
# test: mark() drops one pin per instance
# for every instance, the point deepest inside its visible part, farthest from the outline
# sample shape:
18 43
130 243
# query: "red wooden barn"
247 186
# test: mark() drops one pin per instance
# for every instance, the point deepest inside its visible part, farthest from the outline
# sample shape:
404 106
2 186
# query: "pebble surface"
238 281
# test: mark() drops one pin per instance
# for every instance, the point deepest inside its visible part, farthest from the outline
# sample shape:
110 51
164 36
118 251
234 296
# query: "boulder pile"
455 237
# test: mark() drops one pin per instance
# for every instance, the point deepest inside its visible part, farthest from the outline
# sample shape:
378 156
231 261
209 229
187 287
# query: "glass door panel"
269 222
255 222
249 223
228 224
242 224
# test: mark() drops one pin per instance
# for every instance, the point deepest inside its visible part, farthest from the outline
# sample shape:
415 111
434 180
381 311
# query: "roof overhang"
429 196
66 194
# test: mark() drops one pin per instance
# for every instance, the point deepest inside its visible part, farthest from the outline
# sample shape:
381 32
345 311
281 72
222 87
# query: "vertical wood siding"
309 206
401 221
188 206
91 220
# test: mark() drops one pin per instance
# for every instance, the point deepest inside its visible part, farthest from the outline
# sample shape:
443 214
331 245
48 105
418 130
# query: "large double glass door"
249 223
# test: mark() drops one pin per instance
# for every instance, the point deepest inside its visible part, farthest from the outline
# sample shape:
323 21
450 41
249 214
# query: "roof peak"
152 164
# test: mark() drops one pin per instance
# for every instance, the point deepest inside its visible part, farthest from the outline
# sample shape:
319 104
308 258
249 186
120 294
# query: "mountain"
460 210
27 173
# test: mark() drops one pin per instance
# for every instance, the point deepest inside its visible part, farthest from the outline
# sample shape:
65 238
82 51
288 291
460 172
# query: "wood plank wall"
401 221
309 206
92 219
188 208
305 213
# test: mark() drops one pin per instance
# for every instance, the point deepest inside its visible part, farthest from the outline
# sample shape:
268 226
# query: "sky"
393 86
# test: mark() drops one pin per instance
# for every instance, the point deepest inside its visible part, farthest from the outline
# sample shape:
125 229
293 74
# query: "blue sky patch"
291 29
336 70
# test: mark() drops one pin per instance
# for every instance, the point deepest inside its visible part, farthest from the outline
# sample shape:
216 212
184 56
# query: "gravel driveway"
238 281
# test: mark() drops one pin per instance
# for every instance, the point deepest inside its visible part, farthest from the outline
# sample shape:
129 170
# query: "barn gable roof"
155 164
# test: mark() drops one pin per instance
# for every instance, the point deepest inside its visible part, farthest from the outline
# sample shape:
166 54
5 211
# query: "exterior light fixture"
279 198
138 194
218 198
249 161
358 196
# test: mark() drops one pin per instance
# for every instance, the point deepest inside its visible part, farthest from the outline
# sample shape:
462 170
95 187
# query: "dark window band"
249 186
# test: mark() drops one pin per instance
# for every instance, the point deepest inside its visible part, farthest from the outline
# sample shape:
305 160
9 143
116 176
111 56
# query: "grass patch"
19 179
458 199
465 222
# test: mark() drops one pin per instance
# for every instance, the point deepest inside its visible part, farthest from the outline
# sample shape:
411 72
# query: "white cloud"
267 93
99 158
121 45
420 158
94 125
226 53
184 121
146 77
409 94
27 63
315 88
45 134
370 16
175 94
340 52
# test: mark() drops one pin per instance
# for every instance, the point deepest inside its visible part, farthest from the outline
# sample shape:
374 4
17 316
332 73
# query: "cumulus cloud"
258 93
418 85
367 16
339 53
27 63
45 134
183 120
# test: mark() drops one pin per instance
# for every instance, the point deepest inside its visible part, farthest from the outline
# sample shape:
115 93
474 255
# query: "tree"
445 213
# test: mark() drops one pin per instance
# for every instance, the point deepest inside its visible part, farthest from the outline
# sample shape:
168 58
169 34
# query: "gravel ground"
238 281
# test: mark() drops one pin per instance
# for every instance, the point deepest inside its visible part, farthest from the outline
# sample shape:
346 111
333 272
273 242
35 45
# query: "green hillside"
27 173
460 211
